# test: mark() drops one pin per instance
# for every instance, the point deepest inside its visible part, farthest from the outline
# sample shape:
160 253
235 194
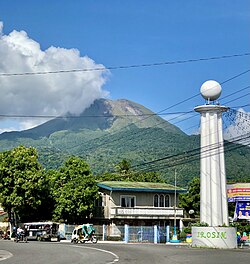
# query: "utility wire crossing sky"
56 56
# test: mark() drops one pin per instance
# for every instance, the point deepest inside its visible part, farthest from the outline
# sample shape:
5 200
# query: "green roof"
139 186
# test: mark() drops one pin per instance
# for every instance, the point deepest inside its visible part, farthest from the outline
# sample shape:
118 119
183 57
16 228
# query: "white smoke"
46 94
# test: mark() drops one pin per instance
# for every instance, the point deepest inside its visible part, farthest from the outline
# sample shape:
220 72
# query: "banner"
242 211
238 192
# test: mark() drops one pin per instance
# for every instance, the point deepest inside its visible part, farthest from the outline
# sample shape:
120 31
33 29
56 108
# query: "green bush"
241 227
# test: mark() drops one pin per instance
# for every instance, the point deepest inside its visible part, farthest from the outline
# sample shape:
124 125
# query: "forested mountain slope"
109 131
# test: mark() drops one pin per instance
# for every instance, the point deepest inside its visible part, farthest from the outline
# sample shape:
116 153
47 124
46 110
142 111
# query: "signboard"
242 211
238 192
214 237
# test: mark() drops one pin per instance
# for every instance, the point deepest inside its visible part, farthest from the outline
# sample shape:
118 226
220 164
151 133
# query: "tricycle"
83 233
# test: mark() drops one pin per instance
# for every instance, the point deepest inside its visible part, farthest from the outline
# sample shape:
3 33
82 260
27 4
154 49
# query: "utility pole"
174 238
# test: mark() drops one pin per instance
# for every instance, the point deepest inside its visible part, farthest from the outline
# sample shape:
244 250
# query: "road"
109 253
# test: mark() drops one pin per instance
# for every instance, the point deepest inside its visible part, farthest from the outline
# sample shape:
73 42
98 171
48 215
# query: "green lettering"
223 235
202 234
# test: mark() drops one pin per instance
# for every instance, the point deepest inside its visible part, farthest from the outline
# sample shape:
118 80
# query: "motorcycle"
21 237
92 238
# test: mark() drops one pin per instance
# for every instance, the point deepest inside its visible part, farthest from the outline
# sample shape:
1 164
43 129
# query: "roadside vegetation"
28 192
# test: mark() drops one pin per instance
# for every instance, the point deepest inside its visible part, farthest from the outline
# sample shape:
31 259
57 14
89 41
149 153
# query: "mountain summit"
110 131
103 114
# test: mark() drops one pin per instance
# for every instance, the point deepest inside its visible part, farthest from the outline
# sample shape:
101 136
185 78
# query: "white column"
215 172
204 168
224 201
213 208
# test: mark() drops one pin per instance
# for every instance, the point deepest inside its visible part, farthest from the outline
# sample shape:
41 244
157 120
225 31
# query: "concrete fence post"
155 234
167 234
104 232
126 233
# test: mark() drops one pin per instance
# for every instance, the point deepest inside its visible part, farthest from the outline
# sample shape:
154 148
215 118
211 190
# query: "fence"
128 234
66 231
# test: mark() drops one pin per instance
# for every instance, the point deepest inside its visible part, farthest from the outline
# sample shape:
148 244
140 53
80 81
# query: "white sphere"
210 90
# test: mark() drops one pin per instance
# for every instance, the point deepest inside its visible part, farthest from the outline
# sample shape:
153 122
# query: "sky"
173 39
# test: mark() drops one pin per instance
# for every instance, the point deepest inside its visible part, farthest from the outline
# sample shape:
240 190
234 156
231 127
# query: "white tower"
213 193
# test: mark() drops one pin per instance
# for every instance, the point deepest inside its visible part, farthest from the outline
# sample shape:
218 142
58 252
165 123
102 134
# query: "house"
138 204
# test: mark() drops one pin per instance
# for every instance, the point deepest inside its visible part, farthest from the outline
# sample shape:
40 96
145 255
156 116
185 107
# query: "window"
161 200
156 200
127 201
167 200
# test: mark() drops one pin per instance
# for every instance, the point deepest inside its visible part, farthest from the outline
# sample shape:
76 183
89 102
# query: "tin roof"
139 186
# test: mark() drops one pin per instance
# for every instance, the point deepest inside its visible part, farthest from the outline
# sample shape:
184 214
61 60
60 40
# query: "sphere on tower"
210 90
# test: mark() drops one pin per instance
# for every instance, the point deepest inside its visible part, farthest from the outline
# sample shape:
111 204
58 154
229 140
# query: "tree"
125 173
191 200
23 182
124 167
74 191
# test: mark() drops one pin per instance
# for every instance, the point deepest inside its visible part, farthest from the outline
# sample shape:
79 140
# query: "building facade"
138 204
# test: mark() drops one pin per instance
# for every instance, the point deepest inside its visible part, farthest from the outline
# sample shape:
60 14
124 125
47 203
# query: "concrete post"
104 232
167 234
155 234
126 233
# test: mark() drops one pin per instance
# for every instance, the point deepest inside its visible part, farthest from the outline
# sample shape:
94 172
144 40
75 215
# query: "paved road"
106 253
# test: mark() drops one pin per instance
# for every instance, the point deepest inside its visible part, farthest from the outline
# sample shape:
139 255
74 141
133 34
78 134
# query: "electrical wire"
164 122
187 155
88 116
126 66
236 76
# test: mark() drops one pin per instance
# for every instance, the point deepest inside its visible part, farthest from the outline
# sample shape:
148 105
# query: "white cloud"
1 27
49 94
240 128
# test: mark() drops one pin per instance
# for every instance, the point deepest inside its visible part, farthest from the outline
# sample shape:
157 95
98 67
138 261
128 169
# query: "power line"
161 113
183 158
126 66
243 89
89 116
239 138
192 159
191 97
145 131
240 112
127 126
162 122
237 98
186 155
240 106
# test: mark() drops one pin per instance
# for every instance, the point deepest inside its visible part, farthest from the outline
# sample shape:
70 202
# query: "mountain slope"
102 114
109 131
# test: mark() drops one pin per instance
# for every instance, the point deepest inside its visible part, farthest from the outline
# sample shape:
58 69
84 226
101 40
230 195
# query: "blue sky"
120 33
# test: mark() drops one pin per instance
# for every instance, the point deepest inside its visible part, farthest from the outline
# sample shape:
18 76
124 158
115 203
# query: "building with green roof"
138 203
